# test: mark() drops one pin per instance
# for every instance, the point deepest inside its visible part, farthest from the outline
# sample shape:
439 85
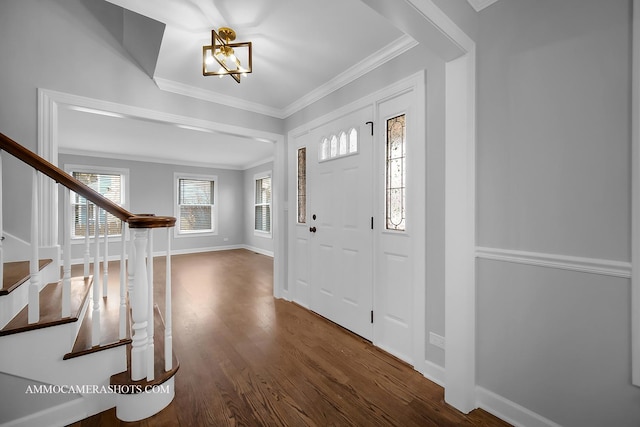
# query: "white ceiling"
302 51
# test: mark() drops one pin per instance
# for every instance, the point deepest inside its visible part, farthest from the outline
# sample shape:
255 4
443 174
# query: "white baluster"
66 268
168 337
87 234
1 225
150 322
34 268
105 262
123 282
131 265
95 314
138 300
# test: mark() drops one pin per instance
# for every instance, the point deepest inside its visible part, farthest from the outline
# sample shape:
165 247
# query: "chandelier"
224 57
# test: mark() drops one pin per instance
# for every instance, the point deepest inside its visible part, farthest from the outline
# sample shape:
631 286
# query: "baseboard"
509 411
433 372
258 250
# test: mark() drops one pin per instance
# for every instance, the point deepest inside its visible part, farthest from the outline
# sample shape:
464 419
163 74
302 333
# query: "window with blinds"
108 183
195 205
263 205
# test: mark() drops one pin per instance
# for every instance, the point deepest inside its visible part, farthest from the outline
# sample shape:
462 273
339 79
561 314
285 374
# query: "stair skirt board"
138 406
32 403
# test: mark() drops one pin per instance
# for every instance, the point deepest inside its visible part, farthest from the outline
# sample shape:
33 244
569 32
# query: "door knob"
312 229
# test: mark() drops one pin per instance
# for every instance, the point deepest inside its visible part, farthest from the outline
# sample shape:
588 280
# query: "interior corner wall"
75 47
259 243
554 179
151 187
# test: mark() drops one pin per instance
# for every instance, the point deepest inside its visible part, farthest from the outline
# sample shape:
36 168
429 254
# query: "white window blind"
111 186
263 205
195 201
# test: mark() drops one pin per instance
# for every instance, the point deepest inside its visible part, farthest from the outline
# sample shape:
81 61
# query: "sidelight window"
302 185
396 173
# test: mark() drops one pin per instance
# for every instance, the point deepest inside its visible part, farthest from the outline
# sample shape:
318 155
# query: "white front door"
339 212
347 264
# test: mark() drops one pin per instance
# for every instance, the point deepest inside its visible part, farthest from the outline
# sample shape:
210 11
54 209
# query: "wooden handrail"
32 159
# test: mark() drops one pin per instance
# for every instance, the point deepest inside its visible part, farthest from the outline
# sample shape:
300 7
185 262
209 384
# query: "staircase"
79 339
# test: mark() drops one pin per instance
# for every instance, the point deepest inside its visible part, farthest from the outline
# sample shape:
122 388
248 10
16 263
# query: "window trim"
124 188
260 233
177 176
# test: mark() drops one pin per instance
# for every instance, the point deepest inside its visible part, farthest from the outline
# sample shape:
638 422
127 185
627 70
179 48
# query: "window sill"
263 234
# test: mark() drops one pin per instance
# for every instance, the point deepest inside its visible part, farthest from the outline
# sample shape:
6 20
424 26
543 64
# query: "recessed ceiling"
302 51
85 132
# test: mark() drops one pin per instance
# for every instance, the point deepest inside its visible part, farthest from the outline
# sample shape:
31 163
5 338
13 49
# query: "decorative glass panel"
396 173
324 149
353 141
302 184
111 187
343 144
334 146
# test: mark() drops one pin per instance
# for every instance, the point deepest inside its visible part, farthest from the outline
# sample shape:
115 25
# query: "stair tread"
109 323
160 375
16 273
51 307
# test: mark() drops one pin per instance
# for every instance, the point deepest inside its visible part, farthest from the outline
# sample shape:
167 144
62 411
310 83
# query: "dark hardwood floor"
247 359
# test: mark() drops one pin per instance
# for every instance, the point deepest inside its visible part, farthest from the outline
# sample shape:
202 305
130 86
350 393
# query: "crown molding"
478 5
211 96
373 61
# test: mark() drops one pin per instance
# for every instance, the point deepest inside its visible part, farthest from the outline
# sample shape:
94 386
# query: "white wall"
256 241
554 179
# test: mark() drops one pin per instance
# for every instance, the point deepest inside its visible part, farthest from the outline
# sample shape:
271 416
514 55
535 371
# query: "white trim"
211 96
373 61
509 411
433 372
603 267
146 159
478 5
635 197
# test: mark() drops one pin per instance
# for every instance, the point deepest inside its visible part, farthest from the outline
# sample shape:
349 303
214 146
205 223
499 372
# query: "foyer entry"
358 219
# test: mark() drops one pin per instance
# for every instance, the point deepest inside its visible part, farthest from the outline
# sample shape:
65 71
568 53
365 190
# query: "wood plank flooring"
247 359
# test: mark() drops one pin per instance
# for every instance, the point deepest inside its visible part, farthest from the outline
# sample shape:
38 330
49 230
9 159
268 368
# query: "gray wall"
261 242
151 189
554 178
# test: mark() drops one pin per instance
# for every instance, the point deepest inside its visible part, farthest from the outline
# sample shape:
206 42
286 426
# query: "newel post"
141 294
138 299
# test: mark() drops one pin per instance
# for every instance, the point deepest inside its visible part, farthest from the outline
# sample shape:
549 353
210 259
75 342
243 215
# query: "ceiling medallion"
226 58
